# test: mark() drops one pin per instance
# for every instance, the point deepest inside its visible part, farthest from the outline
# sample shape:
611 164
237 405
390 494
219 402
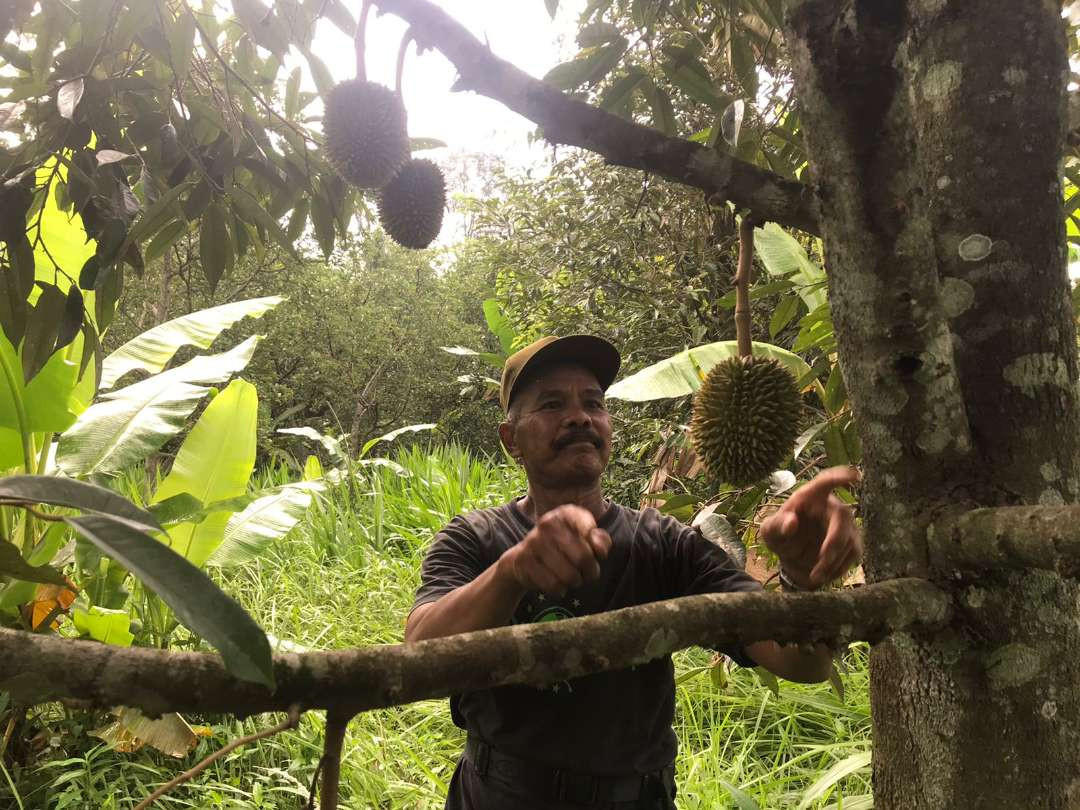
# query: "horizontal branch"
35 668
565 120
1046 537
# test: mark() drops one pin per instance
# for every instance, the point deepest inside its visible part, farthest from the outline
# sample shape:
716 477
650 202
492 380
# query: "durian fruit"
364 131
745 419
411 205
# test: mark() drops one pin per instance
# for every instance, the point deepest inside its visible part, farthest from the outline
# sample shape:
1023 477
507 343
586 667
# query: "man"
562 550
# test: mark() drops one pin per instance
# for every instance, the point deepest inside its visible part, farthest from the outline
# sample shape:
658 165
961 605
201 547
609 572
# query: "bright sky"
517 30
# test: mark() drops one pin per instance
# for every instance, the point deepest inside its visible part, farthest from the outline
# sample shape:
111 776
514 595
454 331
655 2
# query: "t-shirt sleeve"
455 558
696 566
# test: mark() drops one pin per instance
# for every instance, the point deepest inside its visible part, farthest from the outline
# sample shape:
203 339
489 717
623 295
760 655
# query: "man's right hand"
563 551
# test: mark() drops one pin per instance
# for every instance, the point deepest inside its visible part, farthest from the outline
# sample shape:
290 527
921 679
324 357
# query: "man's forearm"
790 662
487 601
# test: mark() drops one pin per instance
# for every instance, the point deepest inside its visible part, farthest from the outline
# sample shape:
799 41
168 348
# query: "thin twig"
358 42
290 722
406 40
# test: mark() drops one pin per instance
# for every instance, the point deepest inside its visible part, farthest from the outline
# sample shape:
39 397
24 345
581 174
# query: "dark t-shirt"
611 722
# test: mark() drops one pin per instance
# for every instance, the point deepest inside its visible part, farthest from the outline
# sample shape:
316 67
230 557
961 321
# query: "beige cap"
594 353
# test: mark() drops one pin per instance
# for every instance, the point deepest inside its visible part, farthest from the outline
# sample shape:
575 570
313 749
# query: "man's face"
560 429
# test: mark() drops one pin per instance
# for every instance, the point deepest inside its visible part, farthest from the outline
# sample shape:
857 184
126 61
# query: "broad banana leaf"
154 348
682 373
128 425
247 533
213 464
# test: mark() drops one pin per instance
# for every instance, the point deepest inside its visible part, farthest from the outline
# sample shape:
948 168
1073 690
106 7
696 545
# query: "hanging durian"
746 413
366 140
411 205
745 419
365 137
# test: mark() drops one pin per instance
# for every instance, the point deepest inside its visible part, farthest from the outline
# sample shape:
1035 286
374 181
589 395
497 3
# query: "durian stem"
742 287
405 42
358 42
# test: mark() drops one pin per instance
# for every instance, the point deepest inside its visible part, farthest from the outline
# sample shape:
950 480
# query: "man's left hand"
814 532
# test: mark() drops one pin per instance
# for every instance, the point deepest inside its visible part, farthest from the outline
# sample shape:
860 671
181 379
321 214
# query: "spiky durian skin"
745 419
411 205
365 136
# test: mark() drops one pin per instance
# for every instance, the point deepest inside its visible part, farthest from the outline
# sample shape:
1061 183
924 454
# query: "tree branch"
1046 537
36 668
770 197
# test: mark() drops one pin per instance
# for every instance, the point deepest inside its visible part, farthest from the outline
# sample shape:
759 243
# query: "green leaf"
181 42
499 324
162 212
588 67
338 14
393 434
687 72
134 421
679 375
42 402
75 495
838 771
164 239
835 393
744 64
122 430
783 314
13 564
155 347
292 94
248 533
104 625
214 249
68 97
322 218
743 801
42 328
806 437
768 680
179 507
621 91
198 603
663 113
782 255
322 77
254 213
202 470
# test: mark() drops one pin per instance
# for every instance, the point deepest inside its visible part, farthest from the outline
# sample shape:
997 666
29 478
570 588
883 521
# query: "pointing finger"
822 484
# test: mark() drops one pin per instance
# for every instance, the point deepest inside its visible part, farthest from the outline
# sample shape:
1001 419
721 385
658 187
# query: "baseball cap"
594 353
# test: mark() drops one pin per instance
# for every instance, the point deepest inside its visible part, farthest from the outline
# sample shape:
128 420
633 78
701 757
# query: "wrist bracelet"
788 584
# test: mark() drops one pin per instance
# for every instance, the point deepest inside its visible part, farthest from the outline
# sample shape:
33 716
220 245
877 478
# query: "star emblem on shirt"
577 603
541 598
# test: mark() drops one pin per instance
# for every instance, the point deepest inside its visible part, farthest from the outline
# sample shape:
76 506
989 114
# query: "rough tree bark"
935 129
36 667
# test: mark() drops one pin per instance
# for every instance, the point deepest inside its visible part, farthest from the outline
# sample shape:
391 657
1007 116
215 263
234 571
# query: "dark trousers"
468 791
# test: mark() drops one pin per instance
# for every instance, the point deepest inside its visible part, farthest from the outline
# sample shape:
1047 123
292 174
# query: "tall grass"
346 576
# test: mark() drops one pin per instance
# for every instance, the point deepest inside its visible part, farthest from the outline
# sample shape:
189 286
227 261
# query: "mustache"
579 436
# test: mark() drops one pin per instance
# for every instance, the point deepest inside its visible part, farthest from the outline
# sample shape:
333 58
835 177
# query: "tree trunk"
935 130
